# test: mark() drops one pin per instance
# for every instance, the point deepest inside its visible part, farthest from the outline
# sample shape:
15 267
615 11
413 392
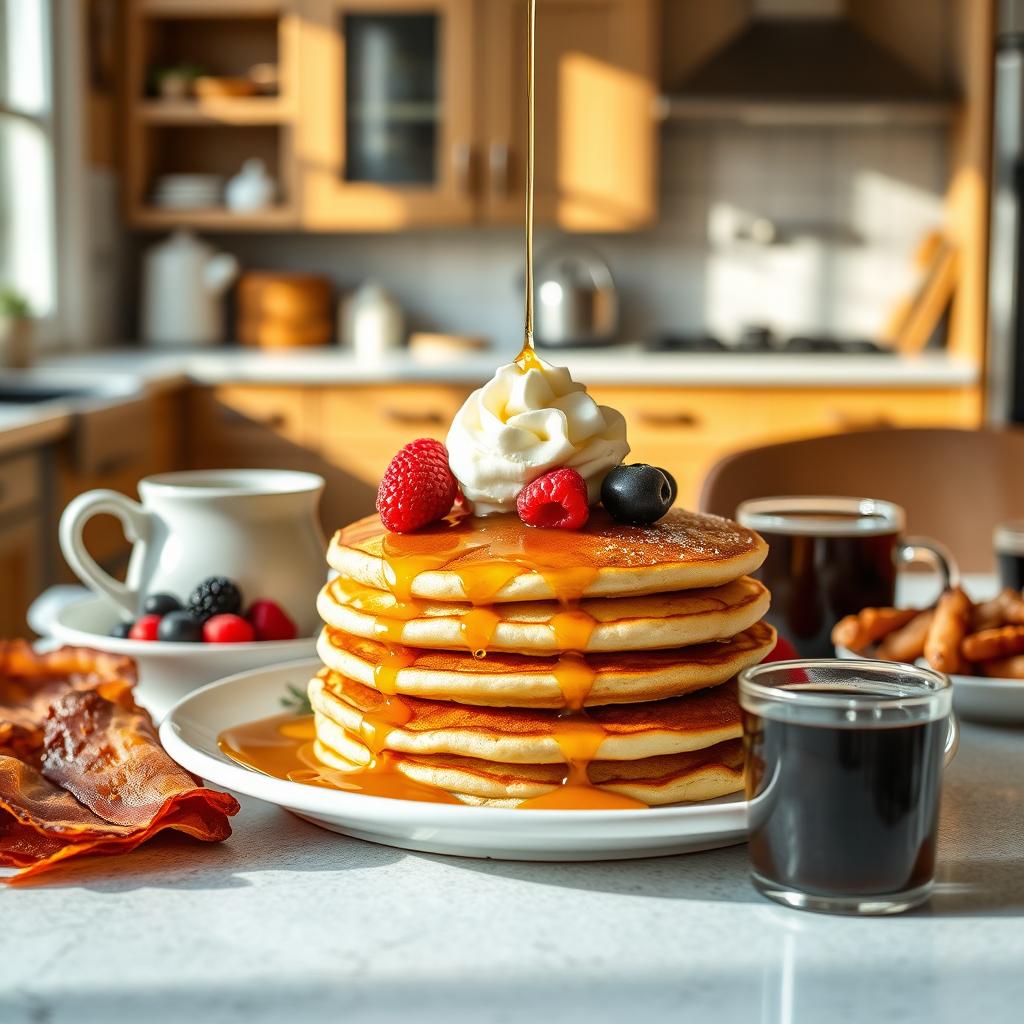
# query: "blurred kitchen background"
289 232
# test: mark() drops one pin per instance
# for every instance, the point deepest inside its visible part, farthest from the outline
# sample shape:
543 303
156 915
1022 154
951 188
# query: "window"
28 251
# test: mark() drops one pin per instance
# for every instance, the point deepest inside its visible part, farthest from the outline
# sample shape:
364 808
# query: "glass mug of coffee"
843 772
1009 544
830 557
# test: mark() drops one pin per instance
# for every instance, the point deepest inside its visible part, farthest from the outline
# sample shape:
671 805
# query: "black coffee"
817 579
1011 571
843 812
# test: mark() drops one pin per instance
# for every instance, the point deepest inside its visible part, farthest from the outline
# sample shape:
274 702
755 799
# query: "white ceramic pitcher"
258 527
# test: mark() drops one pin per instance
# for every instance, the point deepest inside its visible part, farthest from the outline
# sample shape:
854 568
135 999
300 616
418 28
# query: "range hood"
805 61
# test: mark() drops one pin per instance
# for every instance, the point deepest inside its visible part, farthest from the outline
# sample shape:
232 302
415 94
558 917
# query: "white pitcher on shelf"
251 188
183 286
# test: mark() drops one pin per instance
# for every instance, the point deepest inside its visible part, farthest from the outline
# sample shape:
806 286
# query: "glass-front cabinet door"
386 130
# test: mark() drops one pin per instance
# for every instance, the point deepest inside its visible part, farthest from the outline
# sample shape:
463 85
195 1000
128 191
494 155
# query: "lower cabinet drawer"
686 430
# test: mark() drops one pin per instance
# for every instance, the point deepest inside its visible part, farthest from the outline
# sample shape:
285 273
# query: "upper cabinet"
389 114
596 127
386 137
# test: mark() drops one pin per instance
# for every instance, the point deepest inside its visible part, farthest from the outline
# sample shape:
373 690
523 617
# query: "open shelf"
153 218
247 111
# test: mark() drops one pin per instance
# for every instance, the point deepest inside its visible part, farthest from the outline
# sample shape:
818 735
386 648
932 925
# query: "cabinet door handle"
407 418
851 421
274 421
668 420
462 160
498 161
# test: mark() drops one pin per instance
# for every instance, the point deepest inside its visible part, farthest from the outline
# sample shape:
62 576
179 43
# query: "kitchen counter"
628 364
286 922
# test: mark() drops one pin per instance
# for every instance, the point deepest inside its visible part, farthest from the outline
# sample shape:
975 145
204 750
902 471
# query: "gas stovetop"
762 340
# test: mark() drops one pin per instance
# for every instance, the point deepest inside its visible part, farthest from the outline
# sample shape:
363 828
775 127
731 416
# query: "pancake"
651 621
697 775
514 735
499 559
518 680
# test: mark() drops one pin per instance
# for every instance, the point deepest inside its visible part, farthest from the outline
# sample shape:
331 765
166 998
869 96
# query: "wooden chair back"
955 485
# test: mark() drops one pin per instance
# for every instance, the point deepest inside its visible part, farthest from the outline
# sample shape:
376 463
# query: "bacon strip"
81 768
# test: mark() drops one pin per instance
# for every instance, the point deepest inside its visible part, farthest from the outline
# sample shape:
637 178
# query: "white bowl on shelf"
167 671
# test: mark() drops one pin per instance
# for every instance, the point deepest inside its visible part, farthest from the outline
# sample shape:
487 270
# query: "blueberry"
160 604
672 483
638 494
121 630
180 628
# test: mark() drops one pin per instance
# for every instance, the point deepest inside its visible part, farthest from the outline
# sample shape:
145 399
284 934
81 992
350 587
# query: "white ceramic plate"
166 671
190 735
977 698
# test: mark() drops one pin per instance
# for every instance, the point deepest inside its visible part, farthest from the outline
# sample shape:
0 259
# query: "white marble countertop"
128 373
286 922
627 364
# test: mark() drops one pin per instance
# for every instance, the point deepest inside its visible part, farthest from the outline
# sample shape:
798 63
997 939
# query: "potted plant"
15 329
175 82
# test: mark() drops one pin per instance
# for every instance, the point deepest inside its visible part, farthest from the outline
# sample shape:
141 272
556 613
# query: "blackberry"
215 596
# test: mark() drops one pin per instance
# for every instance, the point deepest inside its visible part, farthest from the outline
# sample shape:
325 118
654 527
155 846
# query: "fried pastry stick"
1003 642
907 642
81 768
857 632
950 625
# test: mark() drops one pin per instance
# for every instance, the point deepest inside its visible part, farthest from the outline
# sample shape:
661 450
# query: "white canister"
183 286
372 322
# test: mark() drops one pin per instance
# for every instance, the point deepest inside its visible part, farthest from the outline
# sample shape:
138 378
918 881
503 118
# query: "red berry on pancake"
557 500
418 487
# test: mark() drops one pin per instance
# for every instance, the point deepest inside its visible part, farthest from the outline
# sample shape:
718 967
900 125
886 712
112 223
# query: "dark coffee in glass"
1009 543
830 557
843 773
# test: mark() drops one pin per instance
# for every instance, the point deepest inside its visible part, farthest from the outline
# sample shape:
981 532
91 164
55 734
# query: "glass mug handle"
924 549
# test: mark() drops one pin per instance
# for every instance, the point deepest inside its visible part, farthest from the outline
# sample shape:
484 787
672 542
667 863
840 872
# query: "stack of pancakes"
503 664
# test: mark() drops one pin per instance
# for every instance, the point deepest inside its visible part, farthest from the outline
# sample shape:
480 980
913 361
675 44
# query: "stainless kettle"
575 301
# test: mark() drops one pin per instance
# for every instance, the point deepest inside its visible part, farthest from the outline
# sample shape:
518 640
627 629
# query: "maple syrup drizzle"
283 747
385 673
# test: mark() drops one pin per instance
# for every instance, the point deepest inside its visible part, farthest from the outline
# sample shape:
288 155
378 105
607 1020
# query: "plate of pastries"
979 645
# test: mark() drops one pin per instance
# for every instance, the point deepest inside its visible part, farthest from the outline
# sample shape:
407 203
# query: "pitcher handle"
135 521
924 549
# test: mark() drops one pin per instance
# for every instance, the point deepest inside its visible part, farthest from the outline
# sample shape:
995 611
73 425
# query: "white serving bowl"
167 671
975 698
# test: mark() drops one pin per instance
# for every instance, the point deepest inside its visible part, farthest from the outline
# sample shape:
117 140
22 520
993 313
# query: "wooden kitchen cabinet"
386 134
383 146
349 434
22 536
596 130
114 448
21 570
688 430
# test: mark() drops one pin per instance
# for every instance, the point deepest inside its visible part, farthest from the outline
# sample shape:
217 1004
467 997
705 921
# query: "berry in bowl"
182 644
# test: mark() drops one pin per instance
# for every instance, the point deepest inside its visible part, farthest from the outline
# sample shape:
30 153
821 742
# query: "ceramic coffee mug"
258 527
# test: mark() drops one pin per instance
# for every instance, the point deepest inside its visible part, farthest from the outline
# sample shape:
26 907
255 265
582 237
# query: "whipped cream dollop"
522 424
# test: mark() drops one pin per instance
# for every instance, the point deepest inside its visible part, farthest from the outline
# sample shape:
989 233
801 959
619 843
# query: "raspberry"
270 621
418 487
145 628
557 499
228 629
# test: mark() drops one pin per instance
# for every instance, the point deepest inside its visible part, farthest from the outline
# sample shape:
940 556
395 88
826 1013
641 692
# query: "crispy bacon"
81 768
